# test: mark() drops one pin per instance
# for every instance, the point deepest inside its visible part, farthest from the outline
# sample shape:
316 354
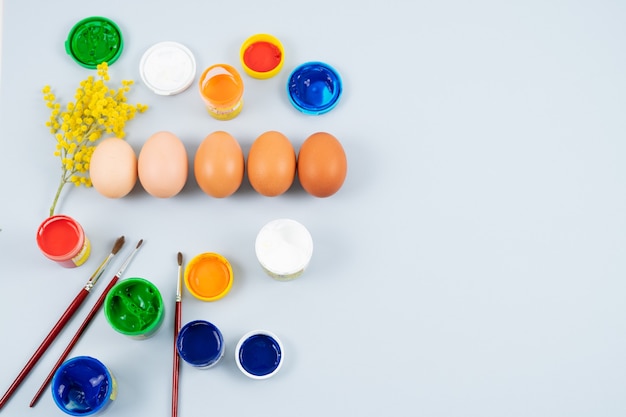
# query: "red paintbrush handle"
79 332
175 371
65 318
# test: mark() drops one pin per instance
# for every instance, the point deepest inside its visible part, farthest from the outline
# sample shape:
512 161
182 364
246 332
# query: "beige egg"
162 165
113 168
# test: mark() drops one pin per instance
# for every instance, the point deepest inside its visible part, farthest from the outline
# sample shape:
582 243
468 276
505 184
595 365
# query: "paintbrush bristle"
139 244
118 245
180 259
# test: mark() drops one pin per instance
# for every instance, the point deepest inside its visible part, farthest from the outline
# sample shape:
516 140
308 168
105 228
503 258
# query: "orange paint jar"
62 239
208 276
221 88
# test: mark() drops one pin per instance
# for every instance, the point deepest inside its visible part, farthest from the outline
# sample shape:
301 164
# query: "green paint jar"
134 307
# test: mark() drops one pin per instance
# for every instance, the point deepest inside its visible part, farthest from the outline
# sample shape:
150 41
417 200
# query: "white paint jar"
284 248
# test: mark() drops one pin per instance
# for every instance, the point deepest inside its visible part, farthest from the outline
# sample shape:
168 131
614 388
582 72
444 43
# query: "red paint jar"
62 239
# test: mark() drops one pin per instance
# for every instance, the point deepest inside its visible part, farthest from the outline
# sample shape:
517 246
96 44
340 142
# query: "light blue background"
471 265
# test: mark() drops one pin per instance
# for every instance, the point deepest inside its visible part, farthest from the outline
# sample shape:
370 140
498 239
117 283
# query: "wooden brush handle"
65 318
175 370
94 310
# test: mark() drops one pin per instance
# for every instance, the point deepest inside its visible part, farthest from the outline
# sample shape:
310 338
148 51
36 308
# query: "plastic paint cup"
83 386
314 88
200 344
221 88
259 354
167 68
94 40
62 239
208 276
262 56
284 248
134 307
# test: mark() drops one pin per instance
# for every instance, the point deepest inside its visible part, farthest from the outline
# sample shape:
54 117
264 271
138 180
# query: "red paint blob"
262 56
59 238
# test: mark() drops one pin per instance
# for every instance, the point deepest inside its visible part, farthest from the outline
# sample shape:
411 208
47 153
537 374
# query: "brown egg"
219 165
271 164
162 165
322 165
113 168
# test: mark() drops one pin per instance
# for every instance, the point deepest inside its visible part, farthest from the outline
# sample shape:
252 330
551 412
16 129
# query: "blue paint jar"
259 354
200 344
314 88
83 386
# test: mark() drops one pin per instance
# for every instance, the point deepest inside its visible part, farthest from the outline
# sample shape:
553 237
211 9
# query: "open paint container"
259 354
200 343
83 386
262 56
221 89
209 276
284 248
94 40
134 307
314 88
62 239
167 68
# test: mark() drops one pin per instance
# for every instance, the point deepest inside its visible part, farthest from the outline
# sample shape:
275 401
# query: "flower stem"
56 197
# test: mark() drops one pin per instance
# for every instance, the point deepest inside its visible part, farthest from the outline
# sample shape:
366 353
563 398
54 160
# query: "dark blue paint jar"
259 354
83 386
200 344
314 88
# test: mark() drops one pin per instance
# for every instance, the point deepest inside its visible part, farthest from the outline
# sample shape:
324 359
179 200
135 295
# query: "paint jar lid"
284 248
167 68
208 276
94 40
314 88
262 56
86 378
259 354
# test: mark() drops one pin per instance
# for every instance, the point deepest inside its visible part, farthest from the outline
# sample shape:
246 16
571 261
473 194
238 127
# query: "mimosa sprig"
97 111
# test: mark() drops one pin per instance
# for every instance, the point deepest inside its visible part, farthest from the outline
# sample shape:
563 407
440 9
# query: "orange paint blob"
221 88
209 276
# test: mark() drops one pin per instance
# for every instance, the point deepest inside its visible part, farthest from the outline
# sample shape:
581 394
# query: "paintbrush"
83 327
177 323
65 318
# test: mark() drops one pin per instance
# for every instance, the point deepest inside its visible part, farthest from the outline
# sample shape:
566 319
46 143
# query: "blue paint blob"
200 343
82 386
314 88
260 354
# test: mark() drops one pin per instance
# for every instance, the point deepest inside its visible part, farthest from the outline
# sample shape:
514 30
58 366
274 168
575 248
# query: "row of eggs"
219 165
